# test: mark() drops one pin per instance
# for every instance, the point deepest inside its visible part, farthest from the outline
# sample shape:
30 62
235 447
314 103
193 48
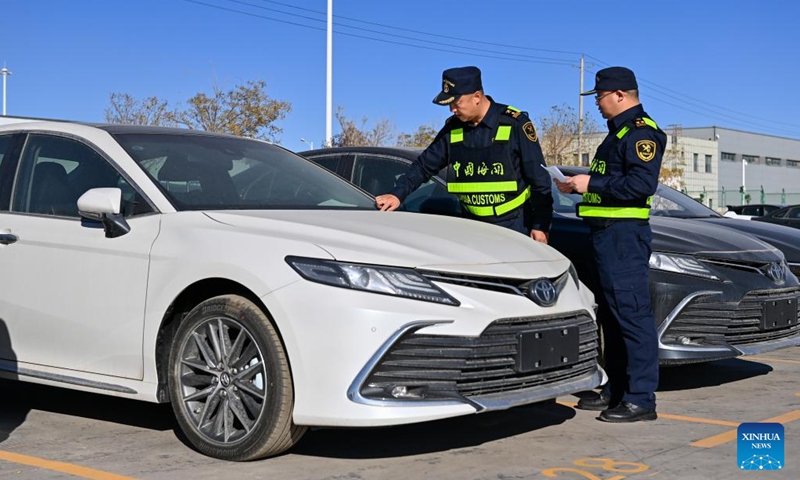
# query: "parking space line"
730 435
770 359
68 468
676 417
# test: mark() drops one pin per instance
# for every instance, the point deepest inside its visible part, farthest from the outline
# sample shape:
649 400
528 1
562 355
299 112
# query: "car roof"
410 153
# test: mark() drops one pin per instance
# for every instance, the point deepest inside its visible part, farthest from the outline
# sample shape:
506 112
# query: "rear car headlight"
681 264
401 282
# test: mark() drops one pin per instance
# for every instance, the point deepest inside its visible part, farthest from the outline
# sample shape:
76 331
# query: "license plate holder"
779 313
542 349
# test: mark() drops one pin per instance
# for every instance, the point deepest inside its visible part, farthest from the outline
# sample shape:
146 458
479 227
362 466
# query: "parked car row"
261 294
720 287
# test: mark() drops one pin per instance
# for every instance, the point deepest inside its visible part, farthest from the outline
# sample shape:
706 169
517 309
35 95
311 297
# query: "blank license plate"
543 349
779 313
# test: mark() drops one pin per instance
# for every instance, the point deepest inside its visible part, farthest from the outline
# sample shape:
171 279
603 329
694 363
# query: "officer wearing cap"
493 159
622 178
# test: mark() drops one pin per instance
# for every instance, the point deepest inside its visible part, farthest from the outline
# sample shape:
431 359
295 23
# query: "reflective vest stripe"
500 209
647 121
457 135
650 122
503 133
595 211
481 187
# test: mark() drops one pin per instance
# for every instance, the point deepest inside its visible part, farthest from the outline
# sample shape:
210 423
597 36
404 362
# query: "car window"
202 172
6 178
751 210
770 208
780 214
794 213
378 174
56 171
329 162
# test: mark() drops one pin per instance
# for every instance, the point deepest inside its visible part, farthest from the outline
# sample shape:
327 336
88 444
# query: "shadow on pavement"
436 436
689 377
11 416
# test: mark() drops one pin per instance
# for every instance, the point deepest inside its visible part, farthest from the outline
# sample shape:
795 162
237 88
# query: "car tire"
230 383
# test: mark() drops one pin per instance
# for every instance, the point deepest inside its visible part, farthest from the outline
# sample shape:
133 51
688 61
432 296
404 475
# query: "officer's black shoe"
595 401
627 412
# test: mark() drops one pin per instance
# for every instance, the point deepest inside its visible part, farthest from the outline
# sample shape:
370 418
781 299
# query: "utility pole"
580 117
329 81
4 72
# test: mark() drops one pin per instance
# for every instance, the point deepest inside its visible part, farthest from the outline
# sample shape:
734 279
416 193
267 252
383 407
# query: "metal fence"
720 199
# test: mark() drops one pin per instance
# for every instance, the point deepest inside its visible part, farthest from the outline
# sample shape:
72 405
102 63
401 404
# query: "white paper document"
555 173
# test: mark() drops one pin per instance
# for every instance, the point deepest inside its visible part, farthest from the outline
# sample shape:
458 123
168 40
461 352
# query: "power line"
493 54
460 39
404 37
459 52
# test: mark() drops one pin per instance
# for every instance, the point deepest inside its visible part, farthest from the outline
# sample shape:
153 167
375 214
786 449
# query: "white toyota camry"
260 294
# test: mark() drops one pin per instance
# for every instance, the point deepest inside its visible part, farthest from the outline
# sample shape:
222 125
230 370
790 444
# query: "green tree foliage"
244 110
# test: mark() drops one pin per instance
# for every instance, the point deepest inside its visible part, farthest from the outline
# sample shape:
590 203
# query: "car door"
71 298
377 175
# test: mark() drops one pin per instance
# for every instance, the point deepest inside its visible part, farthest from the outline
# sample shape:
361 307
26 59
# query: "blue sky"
731 64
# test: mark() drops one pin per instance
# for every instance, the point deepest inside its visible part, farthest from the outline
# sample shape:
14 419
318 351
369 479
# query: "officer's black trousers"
622 252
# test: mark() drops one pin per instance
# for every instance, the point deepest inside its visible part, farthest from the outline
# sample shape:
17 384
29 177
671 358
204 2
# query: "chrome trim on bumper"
498 401
758 348
354 392
507 400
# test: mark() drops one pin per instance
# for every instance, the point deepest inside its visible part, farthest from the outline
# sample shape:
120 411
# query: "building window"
728 157
773 161
751 159
793 163
585 159
708 163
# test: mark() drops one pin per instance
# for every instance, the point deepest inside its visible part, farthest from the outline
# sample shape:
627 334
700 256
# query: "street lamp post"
310 144
4 72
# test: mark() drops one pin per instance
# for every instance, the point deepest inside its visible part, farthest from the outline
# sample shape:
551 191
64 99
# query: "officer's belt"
501 209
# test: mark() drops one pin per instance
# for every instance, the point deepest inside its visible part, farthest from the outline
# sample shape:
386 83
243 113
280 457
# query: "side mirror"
104 205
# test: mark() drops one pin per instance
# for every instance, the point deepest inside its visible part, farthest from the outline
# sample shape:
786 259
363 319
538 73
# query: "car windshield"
205 172
667 202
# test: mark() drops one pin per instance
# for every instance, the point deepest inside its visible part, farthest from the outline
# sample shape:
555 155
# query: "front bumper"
336 339
701 320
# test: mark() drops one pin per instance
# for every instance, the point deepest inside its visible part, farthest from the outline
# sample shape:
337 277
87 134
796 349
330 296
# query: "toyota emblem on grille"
776 273
543 292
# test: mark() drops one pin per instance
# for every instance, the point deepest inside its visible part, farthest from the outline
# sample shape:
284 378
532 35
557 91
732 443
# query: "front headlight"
681 264
400 282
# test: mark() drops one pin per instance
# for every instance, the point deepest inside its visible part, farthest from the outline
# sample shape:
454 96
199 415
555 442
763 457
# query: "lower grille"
472 366
733 323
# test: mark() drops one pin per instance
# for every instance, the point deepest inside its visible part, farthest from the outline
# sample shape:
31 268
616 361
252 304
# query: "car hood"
707 240
785 239
412 240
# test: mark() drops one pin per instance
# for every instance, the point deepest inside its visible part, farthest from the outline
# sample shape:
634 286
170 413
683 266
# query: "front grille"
472 366
732 323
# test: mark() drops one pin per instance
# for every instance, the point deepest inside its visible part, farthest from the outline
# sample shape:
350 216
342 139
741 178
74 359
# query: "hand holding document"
555 173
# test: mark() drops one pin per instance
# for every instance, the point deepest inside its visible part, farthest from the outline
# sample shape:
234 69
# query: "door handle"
8 238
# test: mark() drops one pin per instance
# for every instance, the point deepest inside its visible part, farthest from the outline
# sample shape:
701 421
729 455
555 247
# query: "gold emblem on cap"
646 150
446 84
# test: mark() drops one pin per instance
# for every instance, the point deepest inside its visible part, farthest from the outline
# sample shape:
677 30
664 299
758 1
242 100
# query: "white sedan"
260 294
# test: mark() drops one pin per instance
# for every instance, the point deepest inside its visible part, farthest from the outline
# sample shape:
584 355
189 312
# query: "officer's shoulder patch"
646 150
639 123
530 131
